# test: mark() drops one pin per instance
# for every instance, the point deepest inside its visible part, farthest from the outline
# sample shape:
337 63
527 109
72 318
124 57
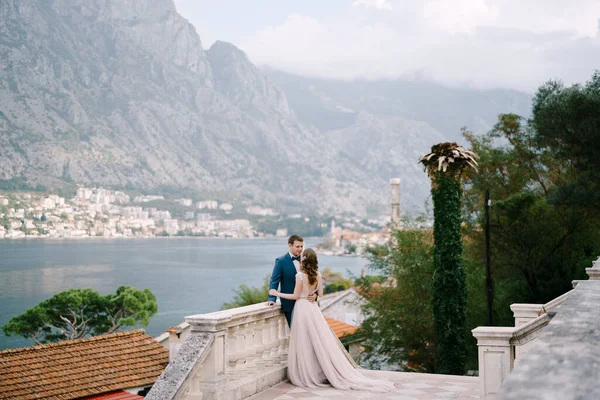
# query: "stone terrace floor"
409 386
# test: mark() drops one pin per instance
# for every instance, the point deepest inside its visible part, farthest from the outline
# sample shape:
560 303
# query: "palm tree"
445 165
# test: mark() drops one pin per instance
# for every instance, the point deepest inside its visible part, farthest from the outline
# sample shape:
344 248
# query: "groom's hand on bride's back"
312 297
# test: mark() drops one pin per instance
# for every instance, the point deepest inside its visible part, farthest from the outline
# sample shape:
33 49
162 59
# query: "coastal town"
103 213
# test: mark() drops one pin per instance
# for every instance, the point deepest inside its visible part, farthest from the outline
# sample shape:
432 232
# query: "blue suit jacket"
284 273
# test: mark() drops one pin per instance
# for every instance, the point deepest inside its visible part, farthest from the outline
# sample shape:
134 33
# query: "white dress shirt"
296 263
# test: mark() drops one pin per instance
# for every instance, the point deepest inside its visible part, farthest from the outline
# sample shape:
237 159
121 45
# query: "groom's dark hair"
295 238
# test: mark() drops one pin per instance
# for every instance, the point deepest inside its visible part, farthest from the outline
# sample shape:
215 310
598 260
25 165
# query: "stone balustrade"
230 354
496 351
500 349
525 313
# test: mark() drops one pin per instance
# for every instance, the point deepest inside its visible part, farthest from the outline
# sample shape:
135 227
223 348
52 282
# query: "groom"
284 273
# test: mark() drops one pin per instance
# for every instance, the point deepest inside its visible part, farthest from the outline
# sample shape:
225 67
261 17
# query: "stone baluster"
288 332
282 351
273 323
267 341
232 354
259 347
194 391
240 342
249 350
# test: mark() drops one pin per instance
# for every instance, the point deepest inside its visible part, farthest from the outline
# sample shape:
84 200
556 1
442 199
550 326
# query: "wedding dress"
316 357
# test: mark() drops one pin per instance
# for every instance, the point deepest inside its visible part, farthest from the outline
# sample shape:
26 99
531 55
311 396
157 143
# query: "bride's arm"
287 296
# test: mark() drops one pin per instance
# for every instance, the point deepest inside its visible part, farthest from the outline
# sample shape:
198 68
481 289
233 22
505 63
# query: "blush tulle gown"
316 358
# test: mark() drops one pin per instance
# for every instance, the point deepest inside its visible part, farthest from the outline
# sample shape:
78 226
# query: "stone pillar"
395 182
496 358
174 341
594 272
207 379
525 313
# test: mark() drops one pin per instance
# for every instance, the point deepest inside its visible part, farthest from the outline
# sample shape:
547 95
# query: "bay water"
187 275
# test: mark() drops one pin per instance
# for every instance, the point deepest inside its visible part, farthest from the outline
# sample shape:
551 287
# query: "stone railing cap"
521 334
526 307
223 316
499 332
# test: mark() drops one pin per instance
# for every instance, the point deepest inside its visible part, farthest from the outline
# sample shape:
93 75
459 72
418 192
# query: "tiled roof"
82 367
340 328
119 395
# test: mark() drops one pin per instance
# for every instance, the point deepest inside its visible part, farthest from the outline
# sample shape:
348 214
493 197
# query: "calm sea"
187 275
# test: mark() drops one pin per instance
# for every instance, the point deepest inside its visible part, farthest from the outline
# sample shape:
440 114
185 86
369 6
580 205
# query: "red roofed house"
116 366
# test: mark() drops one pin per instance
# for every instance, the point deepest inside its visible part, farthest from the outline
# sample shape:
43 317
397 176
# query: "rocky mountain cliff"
121 93
118 92
386 126
328 104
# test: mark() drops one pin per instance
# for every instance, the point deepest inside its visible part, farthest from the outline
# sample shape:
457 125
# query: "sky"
513 44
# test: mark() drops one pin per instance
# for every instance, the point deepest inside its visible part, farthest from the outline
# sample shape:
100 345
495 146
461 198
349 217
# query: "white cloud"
460 15
378 4
481 43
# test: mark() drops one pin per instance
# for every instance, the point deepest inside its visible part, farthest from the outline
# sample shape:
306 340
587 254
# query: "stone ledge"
236 316
564 363
523 310
171 382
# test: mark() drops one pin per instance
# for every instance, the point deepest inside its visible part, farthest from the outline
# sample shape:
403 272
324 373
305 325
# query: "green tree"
567 121
538 246
400 329
246 295
328 276
334 281
369 280
445 165
78 313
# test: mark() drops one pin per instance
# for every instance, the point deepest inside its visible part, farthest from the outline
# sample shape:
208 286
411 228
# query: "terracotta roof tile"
83 367
340 328
119 395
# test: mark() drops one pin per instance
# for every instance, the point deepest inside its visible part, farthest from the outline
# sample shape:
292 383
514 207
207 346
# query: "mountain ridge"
121 93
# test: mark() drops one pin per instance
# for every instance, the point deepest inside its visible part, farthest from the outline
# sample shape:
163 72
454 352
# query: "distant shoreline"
146 237
134 237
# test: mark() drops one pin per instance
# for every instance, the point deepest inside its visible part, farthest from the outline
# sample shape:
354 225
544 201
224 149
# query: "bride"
316 357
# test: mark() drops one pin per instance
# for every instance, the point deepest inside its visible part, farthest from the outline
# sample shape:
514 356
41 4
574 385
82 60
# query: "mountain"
385 126
336 104
121 92
389 147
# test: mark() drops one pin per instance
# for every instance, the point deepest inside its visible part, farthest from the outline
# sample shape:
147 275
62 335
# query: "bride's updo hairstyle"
310 265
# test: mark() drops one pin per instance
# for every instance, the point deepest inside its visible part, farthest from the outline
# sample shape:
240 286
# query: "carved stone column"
496 357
